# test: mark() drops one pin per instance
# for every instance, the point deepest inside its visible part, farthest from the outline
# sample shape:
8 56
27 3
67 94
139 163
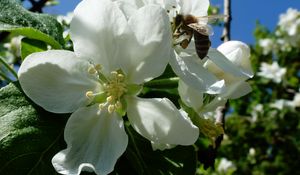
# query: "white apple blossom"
267 44
280 104
238 54
65 19
272 71
115 52
185 62
252 152
224 165
290 22
296 100
258 109
289 26
14 46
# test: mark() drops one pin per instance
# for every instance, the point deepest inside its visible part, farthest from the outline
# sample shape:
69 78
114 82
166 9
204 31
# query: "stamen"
101 106
92 70
118 105
120 77
111 108
98 67
114 73
89 94
110 99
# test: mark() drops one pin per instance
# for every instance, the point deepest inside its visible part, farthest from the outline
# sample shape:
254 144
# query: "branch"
37 5
220 111
227 22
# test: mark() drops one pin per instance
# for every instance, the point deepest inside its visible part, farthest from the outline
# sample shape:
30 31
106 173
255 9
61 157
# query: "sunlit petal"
95 142
96 31
56 80
190 96
148 45
195 75
194 7
159 121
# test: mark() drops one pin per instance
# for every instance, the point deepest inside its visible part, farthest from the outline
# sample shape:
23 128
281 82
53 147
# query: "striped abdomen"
202 44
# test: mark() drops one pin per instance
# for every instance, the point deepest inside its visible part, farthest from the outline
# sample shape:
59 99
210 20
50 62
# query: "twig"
221 111
37 5
227 22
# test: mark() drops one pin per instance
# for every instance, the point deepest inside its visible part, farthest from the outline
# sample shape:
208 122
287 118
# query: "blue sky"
245 13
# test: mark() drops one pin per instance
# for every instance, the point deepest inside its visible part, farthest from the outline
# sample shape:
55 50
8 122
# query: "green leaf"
29 136
140 159
29 46
15 18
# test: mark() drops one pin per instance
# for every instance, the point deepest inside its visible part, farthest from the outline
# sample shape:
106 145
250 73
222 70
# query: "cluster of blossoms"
272 71
225 165
119 45
286 35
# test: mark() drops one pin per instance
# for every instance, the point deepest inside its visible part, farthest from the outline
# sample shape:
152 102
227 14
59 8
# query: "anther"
101 106
89 94
98 67
118 105
114 73
111 108
92 70
110 99
121 77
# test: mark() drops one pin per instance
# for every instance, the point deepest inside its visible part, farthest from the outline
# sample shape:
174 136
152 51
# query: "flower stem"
173 81
5 77
8 67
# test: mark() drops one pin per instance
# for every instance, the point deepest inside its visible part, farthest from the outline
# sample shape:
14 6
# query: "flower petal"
95 142
160 121
149 44
195 75
96 30
239 54
219 63
190 96
194 7
56 80
237 90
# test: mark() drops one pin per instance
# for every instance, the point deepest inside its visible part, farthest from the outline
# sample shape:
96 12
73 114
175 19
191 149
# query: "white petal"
212 106
218 61
237 90
239 54
56 80
149 44
160 146
195 75
194 7
96 31
95 142
190 96
159 121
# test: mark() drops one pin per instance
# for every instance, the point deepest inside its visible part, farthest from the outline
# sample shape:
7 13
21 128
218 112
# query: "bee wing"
202 29
211 18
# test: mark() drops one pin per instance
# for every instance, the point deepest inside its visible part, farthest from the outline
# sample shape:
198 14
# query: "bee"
187 26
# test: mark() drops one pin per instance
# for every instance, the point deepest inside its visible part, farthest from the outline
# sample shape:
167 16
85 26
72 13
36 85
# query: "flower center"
114 87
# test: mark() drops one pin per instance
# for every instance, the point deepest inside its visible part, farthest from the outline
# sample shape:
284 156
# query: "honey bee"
187 26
